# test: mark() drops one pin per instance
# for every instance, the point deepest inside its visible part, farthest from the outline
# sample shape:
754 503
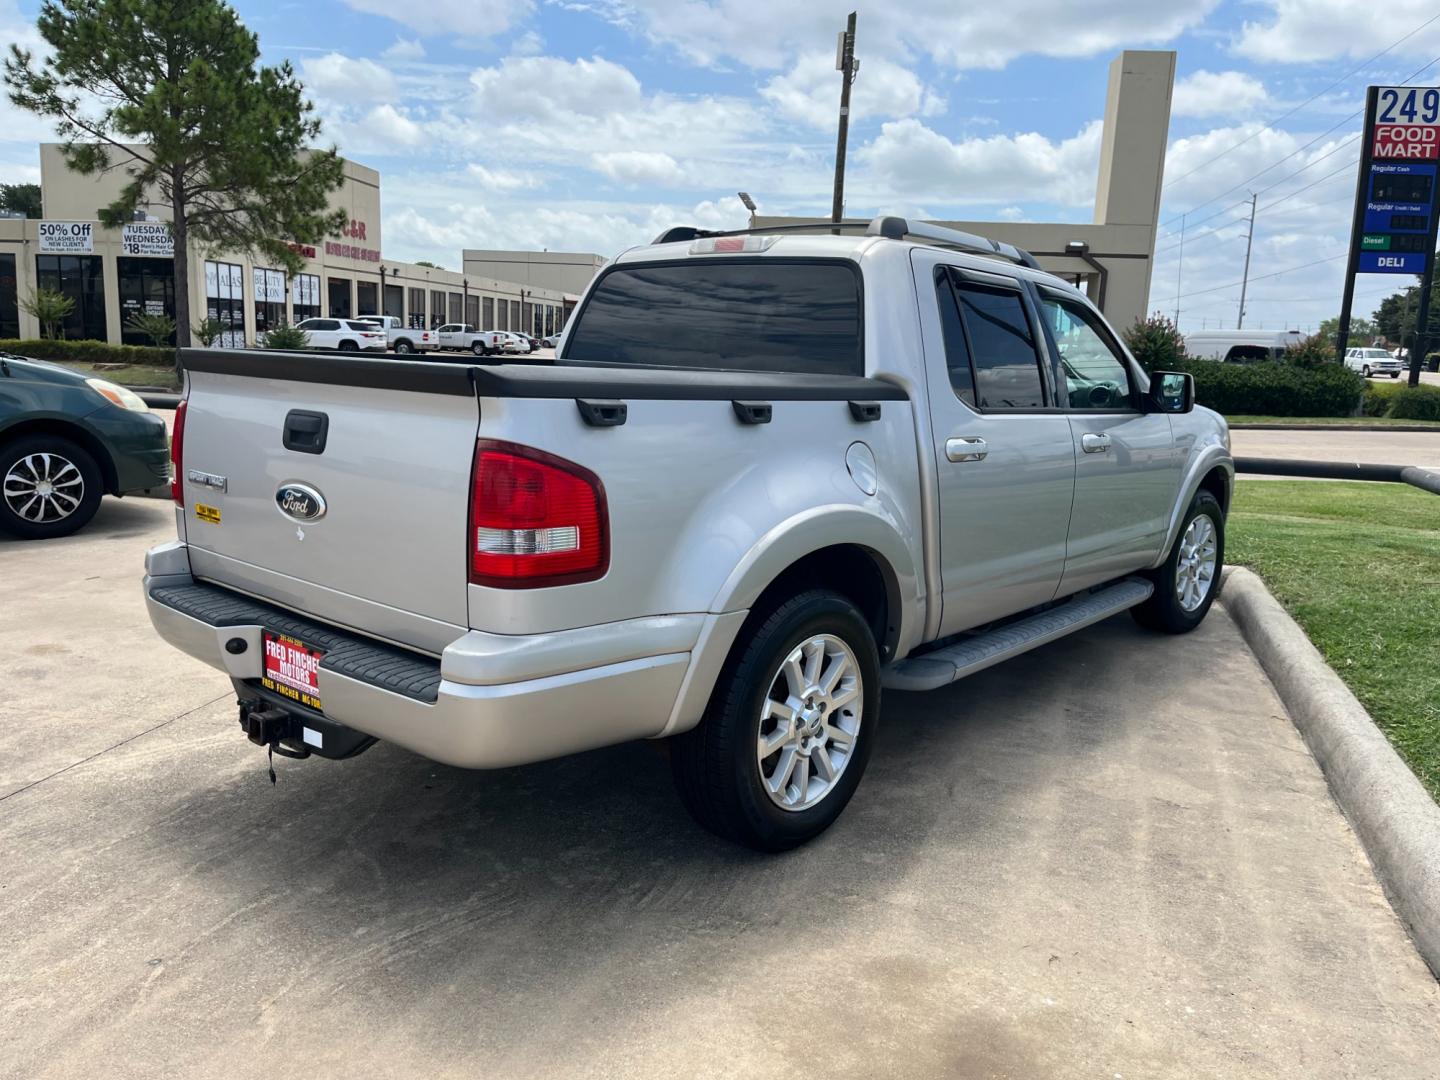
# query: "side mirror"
1171 392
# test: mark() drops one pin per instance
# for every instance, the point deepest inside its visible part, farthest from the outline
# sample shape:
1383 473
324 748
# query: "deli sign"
67 237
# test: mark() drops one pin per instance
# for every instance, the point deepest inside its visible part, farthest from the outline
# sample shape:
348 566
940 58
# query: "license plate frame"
290 667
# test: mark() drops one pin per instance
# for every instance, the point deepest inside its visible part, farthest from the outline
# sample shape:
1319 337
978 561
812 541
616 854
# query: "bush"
286 337
1310 352
1415 403
1275 389
1156 342
89 352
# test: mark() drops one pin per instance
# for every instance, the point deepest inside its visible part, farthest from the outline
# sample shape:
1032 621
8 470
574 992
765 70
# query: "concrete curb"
1397 821
1405 429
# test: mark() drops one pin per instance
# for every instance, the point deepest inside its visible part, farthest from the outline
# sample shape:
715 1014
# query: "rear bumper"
417 701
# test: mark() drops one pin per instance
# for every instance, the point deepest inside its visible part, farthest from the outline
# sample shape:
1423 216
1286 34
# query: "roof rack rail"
888 226
899 228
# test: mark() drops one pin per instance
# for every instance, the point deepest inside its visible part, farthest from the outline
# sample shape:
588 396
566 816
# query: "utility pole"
1179 269
846 64
1245 279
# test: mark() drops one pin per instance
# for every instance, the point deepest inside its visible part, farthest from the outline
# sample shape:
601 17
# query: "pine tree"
172 92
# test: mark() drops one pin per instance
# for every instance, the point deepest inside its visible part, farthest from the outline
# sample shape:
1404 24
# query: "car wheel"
49 487
1365 371
789 726
1395 375
478 348
1185 586
348 346
404 348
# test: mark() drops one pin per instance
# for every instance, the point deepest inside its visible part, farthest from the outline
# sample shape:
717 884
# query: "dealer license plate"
292 669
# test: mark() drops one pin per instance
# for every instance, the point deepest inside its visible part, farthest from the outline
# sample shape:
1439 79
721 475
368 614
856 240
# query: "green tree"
50 308
1362 331
423 262
21 199
1156 342
1312 352
174 94
1397 314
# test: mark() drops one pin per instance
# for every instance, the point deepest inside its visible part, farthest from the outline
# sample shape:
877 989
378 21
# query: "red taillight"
177 456
535 519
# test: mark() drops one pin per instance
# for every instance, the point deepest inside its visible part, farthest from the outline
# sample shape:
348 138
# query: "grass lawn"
131 375
1383 421
1358 566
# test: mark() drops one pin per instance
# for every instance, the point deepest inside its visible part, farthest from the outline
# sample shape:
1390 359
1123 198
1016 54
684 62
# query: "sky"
592 125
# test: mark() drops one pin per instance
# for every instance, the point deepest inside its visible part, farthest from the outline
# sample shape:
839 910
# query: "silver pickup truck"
770 474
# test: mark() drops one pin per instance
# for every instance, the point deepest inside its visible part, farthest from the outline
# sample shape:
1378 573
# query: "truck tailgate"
387 554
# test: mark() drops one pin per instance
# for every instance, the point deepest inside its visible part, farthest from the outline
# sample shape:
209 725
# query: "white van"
1240 346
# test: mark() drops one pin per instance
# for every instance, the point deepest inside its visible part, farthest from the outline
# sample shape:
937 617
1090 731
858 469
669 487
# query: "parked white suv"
894 458
1373 362
347 335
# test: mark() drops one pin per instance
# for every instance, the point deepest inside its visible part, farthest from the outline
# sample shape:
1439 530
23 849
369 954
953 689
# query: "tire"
404 347
478 348
717 767
30 463
1165 611
1395 375
1365 371
348 346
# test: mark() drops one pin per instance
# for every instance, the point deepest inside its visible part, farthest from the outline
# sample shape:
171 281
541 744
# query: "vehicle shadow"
115 519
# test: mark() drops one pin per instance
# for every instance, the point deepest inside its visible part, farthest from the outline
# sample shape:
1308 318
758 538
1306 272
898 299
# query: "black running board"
943 666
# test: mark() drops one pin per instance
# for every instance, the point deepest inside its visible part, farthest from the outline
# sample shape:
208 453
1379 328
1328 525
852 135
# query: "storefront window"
437 309
82 279
417 309
472 310
339 298
549 320
269 299
147 287
503 310
9 298
395 301
489 314
367 300
225 302
457 313
515 322
305 304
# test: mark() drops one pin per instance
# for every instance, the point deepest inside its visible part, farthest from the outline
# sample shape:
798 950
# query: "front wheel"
1365 371
49 487
1395 375
789 727
1185 586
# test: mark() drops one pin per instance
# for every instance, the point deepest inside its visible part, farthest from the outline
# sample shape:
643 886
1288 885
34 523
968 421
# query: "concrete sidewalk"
1112 857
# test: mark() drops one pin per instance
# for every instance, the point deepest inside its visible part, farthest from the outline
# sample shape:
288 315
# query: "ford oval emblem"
300 502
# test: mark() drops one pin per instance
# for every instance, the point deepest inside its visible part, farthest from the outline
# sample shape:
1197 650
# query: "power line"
1271 123
1264 277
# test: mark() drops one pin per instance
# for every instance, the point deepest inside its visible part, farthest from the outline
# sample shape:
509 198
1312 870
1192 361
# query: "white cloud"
961 36
638 166
503 179
917 162
1307 30
467 20
347 78
1218 93
405 49
810 92
548 88
392 126
528 44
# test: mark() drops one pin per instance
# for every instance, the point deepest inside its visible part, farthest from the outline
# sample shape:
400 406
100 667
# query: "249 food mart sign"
1396 233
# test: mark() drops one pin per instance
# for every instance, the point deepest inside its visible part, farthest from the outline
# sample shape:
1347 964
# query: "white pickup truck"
463 337
770 474
402 339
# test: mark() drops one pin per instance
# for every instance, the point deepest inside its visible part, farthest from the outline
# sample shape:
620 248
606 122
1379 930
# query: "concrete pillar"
1132 149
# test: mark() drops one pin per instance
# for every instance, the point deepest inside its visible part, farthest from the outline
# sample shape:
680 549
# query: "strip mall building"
113 274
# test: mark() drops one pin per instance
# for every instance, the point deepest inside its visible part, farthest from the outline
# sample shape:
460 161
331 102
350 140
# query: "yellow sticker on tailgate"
207 513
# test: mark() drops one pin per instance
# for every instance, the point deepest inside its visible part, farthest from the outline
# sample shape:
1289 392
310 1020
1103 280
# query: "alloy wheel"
1195 567
43 488
809 722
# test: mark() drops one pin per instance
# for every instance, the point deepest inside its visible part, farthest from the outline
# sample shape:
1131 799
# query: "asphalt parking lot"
1110 858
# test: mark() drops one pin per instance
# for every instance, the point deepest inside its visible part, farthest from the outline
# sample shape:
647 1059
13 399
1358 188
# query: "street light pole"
846 64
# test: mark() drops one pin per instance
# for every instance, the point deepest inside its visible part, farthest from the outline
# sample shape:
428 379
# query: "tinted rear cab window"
731 314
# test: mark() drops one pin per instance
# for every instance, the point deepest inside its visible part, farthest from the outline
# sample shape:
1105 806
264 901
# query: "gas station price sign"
1396 201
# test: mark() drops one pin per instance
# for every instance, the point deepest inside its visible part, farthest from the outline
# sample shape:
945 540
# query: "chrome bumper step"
932 670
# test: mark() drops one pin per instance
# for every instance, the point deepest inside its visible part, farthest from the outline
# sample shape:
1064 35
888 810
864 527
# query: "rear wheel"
49 487
1185 586
349 346
789 727
404 348
478 348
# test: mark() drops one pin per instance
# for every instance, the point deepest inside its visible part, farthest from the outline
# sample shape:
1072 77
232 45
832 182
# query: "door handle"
1093 443
966 448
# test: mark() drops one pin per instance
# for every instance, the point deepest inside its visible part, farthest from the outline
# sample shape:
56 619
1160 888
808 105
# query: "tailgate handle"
305 431
597 413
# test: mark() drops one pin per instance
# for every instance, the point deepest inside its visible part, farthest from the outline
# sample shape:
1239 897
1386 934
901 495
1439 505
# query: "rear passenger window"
997 341
957 350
